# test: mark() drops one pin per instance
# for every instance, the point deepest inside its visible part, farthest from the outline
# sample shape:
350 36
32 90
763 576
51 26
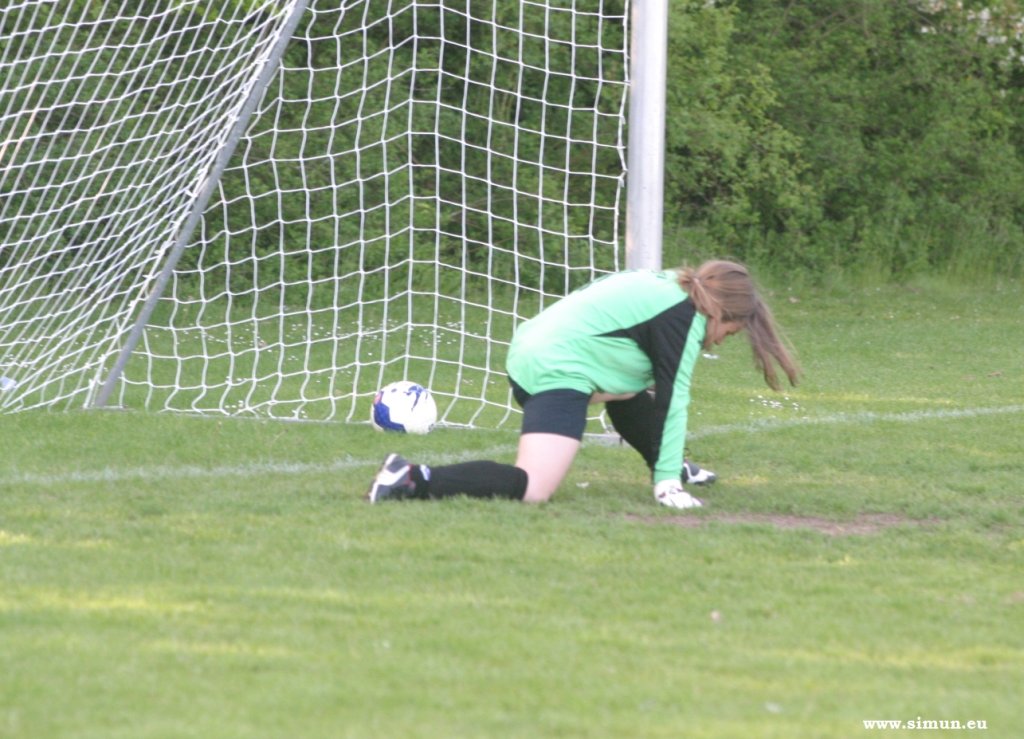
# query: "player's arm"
678 335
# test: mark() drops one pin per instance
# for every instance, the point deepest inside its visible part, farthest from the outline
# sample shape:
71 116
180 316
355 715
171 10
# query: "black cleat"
393 481
694 475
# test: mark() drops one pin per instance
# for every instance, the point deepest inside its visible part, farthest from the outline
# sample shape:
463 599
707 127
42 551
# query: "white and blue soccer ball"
405 407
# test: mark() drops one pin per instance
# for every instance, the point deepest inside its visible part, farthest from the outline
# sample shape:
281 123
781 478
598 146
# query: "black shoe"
393 481
694 475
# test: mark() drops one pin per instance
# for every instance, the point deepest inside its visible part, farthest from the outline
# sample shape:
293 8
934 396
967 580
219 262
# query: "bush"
840 135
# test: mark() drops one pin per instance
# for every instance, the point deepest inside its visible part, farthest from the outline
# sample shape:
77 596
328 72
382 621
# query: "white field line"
255 469
862 417
251 469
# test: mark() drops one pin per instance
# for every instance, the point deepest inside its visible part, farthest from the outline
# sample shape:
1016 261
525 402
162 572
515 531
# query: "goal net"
416 179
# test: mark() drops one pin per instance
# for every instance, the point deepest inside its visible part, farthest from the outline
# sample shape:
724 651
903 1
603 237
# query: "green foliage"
814 136
886 136
731 170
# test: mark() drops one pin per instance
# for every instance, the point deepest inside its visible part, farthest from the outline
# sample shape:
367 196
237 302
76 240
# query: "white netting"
418 179
110 115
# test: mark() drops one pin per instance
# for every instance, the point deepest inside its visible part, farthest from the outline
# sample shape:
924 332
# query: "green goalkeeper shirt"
623 333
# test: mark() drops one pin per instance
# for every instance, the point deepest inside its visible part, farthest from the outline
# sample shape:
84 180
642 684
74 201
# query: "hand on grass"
670 493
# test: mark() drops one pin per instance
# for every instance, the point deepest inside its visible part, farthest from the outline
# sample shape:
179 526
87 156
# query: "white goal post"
272 208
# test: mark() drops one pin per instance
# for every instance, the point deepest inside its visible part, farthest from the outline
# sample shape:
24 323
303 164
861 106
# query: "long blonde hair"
725 291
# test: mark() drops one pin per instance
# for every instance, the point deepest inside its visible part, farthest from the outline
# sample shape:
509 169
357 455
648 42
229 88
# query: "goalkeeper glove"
670 493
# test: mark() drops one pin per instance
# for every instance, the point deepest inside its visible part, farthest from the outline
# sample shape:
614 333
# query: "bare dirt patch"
861 525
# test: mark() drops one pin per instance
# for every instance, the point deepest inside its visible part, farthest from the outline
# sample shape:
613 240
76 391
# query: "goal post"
416 179
649 70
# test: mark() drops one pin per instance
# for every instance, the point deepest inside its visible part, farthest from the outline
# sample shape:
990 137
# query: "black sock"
475 479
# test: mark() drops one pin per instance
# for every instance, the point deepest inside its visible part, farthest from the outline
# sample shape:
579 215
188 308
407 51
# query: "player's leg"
545 458
399 479
553 424
632 419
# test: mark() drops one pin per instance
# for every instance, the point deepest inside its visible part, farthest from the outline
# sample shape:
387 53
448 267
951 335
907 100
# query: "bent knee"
546 459
541 484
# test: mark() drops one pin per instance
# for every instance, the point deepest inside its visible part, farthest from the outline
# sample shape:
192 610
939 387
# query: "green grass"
166 576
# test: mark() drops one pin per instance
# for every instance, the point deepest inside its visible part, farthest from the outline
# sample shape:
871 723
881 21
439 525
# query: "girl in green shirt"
629 340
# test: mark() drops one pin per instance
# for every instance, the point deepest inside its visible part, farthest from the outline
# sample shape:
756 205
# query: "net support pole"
201 200
645 161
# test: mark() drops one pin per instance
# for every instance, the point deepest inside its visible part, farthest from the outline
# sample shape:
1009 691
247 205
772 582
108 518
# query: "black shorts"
562 412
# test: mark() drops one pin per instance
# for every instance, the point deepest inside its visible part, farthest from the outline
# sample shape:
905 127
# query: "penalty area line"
762 425
860 417
253 469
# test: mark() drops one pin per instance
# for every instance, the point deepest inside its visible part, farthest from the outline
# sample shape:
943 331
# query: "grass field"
860 559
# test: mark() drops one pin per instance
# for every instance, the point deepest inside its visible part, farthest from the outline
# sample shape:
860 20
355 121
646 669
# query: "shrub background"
817 137
837 135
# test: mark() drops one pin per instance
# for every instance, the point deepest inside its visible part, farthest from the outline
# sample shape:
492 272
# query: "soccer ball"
404 407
